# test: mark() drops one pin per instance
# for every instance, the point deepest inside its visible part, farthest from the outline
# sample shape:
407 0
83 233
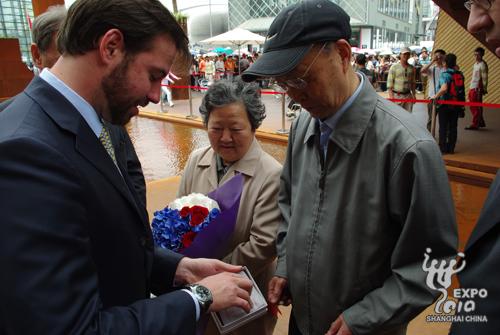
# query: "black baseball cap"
293 33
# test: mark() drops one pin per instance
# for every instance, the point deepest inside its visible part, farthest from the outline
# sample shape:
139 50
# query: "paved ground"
474 147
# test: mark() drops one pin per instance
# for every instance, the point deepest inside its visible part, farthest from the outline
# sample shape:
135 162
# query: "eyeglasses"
299 83
484 4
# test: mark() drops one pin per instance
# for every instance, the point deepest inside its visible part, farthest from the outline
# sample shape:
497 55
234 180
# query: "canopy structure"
237 37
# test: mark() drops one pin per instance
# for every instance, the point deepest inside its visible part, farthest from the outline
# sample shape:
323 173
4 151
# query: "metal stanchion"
283 130
190 116
433 118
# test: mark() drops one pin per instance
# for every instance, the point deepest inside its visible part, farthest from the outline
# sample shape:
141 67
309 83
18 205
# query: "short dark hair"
480 51
361 59
439 51
140 21
46 24
450 60
225 92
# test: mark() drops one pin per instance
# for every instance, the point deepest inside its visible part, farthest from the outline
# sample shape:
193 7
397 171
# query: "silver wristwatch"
202 294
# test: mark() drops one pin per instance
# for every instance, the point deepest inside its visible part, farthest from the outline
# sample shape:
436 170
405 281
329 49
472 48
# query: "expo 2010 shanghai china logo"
461 306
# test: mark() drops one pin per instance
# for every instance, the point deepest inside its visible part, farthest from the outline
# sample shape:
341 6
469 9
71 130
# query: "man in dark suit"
76 250
482 251
482 257
45 54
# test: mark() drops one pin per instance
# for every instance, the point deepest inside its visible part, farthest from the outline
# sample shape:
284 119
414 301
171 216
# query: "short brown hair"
140 21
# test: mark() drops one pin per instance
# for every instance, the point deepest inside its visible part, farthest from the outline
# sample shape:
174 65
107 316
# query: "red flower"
198 215
184 212
188 238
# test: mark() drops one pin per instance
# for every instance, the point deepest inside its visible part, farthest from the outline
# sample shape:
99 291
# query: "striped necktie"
106 142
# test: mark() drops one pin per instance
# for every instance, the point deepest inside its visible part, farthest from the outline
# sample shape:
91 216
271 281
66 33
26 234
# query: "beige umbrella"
236 37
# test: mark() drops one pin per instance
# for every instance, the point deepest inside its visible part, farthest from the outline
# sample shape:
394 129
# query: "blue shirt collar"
332 121
82 106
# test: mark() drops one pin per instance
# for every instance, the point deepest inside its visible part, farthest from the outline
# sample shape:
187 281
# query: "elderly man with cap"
401 80
358 191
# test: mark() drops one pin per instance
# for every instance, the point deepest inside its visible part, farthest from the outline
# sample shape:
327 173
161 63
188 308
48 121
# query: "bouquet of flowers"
197 225
176 226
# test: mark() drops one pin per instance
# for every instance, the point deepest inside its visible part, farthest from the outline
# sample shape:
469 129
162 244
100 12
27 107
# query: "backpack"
456 91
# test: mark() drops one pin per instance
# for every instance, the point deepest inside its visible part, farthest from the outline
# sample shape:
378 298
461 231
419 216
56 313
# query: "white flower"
194 199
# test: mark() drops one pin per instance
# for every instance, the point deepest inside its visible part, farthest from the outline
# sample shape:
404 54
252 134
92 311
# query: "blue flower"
168 227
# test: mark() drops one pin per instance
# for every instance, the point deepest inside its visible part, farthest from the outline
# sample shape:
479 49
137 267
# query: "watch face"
203 293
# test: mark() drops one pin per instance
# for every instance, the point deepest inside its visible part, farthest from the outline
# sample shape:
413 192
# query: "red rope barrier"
424 101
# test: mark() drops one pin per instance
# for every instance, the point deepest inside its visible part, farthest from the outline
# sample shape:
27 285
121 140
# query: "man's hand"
228 290
339 327
278 292
191 270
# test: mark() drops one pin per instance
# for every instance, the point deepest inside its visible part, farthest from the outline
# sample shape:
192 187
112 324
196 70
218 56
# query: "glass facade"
14 23
243 10
399 9
402 18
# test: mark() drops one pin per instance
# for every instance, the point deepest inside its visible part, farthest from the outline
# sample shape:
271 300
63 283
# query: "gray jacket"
356 227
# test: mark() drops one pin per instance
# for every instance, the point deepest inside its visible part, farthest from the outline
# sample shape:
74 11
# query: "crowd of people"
435 76
213 68
340 230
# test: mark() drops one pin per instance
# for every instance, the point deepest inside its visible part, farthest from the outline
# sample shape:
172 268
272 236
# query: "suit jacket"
125 155
75 248
482 268
254 240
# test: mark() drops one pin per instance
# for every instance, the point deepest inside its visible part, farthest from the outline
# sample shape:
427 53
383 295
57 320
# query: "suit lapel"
65 115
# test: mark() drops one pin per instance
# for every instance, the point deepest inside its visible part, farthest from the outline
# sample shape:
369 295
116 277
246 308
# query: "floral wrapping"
197 231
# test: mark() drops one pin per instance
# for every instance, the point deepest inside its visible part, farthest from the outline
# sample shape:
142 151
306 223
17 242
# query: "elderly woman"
232 111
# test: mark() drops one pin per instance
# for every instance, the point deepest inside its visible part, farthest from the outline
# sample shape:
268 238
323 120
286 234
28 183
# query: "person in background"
423 60
482 251
448 114
219 68
209 69
77 245
244 63
229 66
236 60
337 213
370 65
432 72
385 65
194 73
478 88
361 67
166 92
232 111
44 35
202 66
413 60
401 80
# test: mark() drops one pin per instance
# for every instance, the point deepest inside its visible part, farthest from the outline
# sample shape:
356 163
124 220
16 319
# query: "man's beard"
117 94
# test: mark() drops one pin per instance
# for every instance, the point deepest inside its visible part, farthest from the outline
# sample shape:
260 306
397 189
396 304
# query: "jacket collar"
246 165
65 115
352 125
